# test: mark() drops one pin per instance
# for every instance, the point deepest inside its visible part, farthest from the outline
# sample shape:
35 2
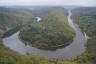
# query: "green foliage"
89 57
7 56
12 31
86 19
51 32
10 17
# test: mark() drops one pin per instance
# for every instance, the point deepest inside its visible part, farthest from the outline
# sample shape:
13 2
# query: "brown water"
75 49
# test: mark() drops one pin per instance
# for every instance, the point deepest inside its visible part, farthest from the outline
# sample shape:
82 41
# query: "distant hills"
11 17
40 7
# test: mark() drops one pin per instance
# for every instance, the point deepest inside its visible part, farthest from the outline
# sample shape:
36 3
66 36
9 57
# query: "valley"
37 42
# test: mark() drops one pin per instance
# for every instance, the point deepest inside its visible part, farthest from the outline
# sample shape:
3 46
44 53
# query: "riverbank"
51 48
51 33
66 53
85 18
12 31
8 56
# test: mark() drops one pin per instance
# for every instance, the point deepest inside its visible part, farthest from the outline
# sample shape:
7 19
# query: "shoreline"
69 52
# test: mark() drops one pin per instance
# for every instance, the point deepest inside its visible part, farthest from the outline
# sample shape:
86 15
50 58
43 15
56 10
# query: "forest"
55 26
85 17
52 32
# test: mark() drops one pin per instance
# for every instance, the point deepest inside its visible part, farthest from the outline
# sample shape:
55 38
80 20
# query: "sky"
48 2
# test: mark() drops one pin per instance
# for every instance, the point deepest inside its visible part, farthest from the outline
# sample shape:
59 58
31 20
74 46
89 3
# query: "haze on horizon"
47 2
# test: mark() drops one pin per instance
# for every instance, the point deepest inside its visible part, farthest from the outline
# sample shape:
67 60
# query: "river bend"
76 48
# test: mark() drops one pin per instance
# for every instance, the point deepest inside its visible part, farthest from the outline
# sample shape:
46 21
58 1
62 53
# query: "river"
76 48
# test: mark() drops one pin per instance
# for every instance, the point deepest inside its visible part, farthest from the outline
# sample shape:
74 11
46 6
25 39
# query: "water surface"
76 48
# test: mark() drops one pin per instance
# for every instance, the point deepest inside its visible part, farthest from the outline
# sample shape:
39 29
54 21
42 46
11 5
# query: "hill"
11 17
51 32
86 19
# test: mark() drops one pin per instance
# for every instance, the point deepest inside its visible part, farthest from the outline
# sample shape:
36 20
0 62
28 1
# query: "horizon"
45 6
85 3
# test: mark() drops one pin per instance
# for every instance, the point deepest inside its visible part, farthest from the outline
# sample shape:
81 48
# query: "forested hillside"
51 32
11 17
86 19
8 56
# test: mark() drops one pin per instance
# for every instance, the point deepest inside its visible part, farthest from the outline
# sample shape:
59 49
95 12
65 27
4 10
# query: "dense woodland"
12 17
84 17
16 18
51 32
